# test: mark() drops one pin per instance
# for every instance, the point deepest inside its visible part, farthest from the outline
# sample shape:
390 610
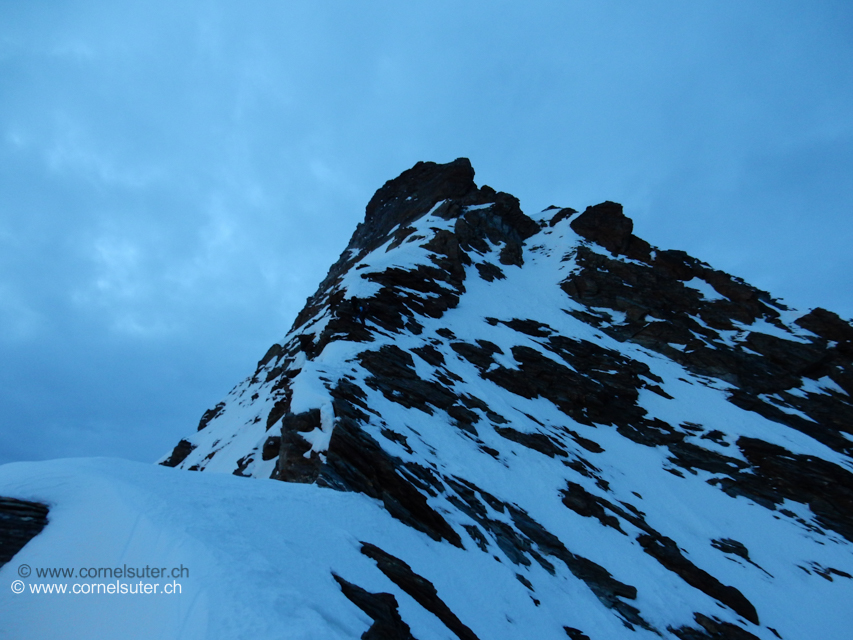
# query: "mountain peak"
562 405
425 183
410 195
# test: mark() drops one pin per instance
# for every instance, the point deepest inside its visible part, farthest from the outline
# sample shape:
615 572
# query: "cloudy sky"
176 177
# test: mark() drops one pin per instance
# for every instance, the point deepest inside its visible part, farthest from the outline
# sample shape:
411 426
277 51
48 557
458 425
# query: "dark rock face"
394 375
421 589
605 224
354 461
827 325
666 551
20 522
594 385
179 454
665 315
405 198
502 222
382 607
712 629
658 546
774 475
210 414
527 540
293 465
272 448
482 216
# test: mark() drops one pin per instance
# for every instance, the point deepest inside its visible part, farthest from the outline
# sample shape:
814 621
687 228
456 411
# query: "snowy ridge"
562 430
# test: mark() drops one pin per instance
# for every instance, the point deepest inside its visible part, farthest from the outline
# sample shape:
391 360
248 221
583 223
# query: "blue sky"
176 177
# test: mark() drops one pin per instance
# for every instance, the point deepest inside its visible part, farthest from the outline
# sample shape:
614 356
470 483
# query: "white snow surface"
708 292
259 555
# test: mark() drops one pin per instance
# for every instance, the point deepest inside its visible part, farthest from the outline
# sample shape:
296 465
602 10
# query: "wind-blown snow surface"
557 523
260 556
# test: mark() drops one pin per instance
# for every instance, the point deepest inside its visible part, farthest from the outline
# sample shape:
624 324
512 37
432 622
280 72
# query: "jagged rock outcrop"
571 402
20 522
383 610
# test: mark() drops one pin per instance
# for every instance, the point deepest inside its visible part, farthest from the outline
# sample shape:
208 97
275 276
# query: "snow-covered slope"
543 427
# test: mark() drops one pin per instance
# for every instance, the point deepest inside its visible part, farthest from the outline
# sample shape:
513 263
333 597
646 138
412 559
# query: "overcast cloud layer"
176 178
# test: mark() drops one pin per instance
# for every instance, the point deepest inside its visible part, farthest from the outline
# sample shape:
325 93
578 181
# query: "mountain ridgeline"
644 445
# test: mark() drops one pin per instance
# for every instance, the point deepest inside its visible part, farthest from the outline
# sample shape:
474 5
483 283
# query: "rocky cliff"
553 394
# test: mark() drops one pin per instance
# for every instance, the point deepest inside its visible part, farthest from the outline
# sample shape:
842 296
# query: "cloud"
18 322
178 176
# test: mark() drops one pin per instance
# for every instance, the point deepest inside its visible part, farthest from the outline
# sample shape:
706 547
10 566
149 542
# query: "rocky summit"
605 438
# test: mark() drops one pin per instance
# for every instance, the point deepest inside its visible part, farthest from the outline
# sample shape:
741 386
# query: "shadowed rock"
713 629
179 454
382 607
418 587
20 522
